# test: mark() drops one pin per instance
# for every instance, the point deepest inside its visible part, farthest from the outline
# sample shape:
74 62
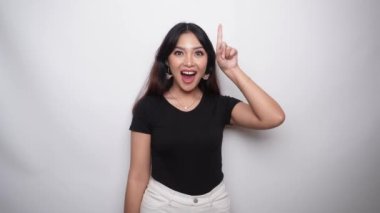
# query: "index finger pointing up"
220 37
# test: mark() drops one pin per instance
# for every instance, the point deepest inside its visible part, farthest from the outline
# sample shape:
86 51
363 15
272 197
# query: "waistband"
194 200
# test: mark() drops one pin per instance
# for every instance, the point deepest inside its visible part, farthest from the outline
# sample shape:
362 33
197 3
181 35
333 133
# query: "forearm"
134 194
262 105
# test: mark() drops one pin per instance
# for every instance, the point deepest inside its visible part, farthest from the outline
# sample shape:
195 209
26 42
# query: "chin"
189 87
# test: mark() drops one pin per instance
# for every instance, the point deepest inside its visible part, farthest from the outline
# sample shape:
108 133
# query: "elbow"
138 176
279 119
275 121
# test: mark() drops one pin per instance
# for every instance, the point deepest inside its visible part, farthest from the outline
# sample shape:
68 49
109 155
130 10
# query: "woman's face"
187 62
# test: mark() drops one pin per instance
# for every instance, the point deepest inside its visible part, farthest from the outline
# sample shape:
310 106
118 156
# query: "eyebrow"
183 48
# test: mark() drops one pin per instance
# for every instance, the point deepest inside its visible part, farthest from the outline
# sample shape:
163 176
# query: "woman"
177 125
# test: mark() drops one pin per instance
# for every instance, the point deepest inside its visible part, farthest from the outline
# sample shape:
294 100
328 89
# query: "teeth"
188 72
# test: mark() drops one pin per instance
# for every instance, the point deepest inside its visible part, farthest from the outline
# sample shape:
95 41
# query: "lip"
188 75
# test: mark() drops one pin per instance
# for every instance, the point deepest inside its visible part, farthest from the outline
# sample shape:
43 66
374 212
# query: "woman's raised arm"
262 111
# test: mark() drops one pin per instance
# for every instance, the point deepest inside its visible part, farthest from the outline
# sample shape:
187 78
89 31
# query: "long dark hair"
158 84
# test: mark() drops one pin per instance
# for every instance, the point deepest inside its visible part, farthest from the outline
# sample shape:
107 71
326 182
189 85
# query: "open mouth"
188 76
188 73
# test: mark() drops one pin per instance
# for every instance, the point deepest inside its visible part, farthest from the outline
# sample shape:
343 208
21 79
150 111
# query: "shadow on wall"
256 136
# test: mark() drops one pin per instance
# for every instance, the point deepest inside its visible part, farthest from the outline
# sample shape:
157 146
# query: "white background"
70 71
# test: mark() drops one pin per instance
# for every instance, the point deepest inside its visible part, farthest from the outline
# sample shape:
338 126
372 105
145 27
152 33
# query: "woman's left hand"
226 56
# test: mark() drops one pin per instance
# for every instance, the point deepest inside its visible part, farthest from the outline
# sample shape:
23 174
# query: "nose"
189 61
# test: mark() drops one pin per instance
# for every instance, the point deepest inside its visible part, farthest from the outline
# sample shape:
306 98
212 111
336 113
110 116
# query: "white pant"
159 198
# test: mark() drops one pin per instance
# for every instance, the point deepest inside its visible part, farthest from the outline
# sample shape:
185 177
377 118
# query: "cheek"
173 62
203 63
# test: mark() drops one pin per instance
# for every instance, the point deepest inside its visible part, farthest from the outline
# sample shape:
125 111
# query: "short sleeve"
229 104
141 120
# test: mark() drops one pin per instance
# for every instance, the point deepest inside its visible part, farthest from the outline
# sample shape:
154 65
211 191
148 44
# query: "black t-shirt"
185 146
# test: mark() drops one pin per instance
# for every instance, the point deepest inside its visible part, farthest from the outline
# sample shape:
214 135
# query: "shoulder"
146 103
148 99
222 106
223 102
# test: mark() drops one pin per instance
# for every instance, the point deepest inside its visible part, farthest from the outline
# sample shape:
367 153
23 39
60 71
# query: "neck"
179 93
184 100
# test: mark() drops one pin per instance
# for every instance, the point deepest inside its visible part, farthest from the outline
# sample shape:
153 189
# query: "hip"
160 198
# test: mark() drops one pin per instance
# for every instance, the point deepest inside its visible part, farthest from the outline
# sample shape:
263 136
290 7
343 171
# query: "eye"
199 53
177 52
